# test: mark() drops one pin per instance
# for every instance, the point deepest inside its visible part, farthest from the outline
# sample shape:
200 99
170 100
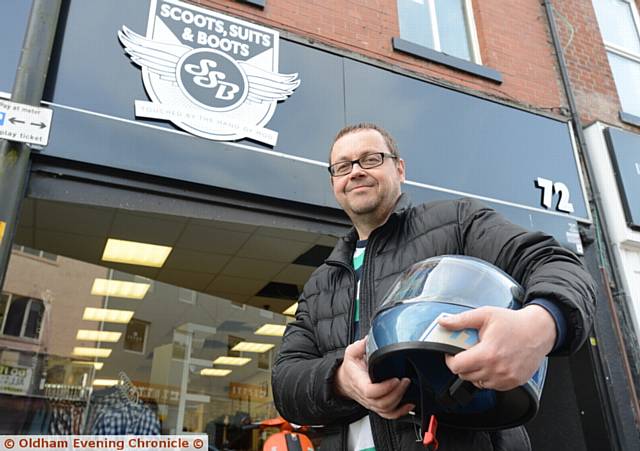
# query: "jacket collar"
343 250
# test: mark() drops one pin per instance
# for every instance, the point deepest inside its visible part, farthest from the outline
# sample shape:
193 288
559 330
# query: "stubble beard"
364 206
367 212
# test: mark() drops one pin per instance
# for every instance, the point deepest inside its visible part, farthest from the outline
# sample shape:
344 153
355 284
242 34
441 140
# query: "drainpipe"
28 88
621 294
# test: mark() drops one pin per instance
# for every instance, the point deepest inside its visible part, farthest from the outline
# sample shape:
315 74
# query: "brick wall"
585 54
514 40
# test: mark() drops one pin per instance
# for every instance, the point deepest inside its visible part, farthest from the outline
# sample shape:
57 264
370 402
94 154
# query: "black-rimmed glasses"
368 161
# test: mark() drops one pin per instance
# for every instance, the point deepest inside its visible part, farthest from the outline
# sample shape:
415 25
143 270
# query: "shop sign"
136 335
210 74
624 148
15 379
249 392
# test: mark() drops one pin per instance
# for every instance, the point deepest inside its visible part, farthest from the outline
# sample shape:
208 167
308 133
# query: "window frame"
473 65
625 116
25 318
258 3
469 26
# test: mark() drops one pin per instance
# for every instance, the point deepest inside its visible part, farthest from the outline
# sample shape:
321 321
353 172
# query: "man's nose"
357 170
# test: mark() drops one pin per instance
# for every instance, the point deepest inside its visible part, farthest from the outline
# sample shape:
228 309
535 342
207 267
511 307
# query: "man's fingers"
392 398
397 413
471 319
380 390
388 406
466 361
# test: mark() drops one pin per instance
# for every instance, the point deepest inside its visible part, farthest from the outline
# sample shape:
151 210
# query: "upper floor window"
36 252
620 29
445 26
21 316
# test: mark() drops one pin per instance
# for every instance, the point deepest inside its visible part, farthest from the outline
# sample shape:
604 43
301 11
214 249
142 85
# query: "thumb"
357 349
471 319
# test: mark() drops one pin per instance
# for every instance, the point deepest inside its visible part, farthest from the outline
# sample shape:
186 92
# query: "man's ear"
400 168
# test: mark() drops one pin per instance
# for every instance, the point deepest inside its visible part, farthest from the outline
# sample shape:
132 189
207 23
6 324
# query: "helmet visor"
458 280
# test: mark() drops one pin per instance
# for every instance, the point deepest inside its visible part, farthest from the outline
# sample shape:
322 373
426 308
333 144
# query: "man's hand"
511 347
352 381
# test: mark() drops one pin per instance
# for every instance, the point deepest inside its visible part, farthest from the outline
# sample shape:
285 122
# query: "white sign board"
15 379
24 123
213 75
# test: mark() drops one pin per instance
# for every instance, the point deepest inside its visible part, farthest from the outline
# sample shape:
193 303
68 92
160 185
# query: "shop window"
442 31
21 316
199 361
620 28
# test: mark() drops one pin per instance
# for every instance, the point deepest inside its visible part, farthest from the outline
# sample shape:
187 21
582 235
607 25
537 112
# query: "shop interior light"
119 288
79 351
107 315
135 253
105 382
233 361
98 335
291 311
272 330
214 372
248 346
97 365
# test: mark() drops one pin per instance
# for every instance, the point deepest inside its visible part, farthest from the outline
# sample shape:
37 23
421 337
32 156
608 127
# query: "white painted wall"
626 242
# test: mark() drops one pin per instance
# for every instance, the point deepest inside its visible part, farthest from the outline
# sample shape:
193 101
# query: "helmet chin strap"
457 393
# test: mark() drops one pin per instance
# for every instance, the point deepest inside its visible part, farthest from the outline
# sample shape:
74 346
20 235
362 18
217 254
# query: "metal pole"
28 88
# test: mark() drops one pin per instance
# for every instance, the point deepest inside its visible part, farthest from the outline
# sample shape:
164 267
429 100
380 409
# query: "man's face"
366 192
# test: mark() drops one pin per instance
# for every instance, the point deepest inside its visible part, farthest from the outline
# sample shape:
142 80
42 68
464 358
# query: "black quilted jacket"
313 344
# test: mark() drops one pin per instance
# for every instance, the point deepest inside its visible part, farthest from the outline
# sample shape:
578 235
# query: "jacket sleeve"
303 379
536 260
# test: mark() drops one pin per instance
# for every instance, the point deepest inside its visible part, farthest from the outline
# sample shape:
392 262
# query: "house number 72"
549 188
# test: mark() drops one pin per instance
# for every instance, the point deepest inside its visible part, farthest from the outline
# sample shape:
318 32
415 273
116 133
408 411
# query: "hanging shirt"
360 435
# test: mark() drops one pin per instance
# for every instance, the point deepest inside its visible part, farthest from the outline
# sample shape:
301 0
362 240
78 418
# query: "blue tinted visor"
458 280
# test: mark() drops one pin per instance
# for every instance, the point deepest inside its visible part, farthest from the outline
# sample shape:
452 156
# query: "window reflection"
159 376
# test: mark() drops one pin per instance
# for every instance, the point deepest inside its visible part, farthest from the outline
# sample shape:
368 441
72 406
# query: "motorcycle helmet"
405 340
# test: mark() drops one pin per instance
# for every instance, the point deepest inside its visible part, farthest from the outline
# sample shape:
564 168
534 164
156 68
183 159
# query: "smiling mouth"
357 188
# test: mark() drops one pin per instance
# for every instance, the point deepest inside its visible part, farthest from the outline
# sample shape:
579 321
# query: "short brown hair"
388 139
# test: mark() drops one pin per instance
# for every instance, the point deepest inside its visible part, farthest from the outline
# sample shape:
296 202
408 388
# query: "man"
320 375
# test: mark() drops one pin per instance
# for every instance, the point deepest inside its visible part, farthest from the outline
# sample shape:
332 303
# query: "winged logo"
204 90
168 61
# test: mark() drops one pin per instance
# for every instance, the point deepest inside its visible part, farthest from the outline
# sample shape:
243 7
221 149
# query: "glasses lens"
342 168
371 161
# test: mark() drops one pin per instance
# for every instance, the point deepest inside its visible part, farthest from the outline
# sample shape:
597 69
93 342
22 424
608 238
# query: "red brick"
514 39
